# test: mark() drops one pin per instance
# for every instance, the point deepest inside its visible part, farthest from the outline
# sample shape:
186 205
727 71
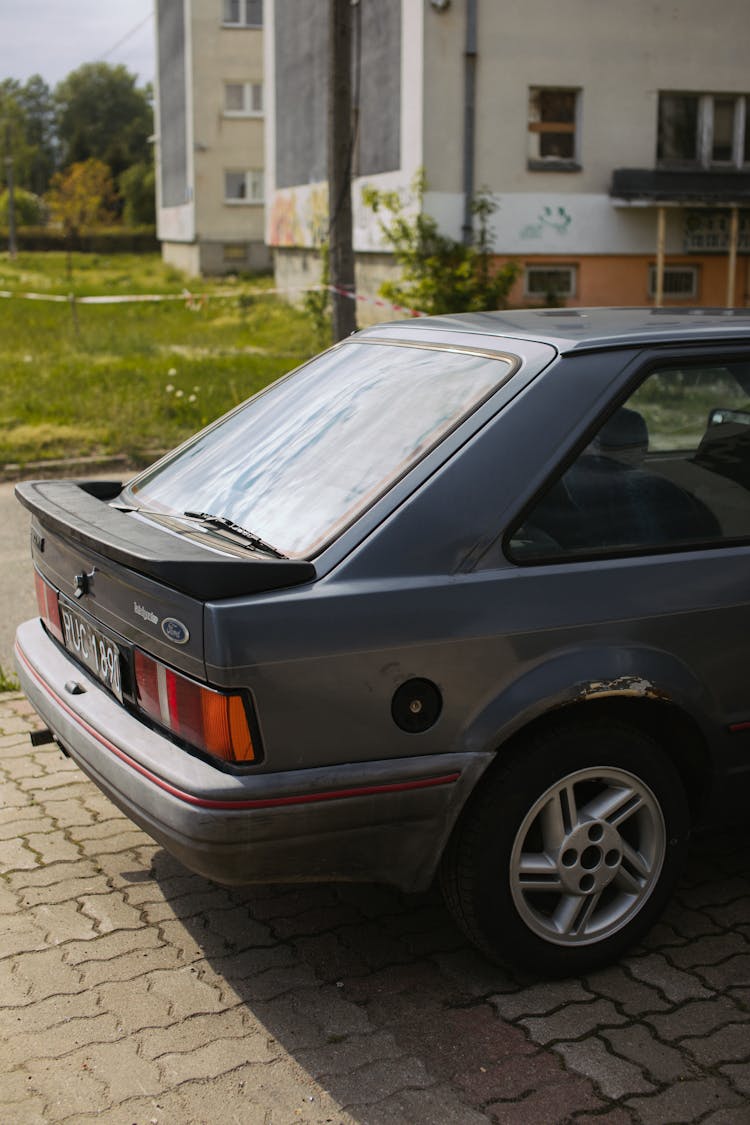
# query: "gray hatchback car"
463 597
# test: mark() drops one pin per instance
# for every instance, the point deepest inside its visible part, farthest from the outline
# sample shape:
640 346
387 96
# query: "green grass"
132 378
8 683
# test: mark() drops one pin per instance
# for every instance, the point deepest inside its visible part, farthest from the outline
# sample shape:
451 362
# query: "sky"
53 37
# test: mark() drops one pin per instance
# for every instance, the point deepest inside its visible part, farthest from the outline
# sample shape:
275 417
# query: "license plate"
91 648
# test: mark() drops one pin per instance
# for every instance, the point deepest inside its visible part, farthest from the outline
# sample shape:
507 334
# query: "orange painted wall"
623 279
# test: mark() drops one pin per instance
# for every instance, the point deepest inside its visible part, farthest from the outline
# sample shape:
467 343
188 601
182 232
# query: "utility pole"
340 144
12 247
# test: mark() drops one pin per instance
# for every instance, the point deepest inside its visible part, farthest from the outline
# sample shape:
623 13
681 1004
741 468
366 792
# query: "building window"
235 253
243 13
243 99
550 283
243 187
553 129
679 281
707 231
703 130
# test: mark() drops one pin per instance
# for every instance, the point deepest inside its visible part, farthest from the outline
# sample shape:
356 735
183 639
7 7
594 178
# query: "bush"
440 275
29 208
107 240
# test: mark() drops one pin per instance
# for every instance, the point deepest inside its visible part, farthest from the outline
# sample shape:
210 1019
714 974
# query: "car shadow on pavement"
381 1000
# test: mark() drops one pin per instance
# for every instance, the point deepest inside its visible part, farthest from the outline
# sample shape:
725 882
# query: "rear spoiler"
79 511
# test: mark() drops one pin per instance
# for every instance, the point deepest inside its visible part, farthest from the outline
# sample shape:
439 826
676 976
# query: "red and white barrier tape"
196 300
375 301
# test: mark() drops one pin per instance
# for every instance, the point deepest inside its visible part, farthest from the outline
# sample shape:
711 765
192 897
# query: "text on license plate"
98 653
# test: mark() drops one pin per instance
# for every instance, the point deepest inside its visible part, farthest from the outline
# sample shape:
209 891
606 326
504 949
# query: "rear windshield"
298 463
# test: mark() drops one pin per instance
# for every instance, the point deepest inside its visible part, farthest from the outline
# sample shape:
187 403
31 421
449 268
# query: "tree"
82 197
101 113
440 275
38 108
27 124
137 186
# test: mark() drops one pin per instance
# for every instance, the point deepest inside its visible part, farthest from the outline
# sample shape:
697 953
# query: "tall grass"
132 378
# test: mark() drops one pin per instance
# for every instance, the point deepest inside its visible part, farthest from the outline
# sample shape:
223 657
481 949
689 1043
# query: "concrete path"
136 993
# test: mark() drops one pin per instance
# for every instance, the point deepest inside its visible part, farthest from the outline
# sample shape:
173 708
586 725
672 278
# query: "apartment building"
614 138
209 140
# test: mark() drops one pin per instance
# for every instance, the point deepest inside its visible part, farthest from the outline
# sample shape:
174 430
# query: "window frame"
536 127
571 268
672 271
635 374
244 8
704 136
250 198
247 110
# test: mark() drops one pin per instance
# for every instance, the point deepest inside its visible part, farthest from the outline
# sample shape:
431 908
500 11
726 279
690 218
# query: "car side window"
669 469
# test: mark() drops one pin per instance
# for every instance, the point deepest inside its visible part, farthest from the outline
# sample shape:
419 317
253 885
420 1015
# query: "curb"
76 466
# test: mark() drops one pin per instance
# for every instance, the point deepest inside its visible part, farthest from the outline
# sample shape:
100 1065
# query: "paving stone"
697 1017
56 892
437 1105
348 1053
614 1076
739 1075
43 974
498 1081
732 973
687 1101
20 933
63 922
109 912
378 1080
14 824
728 1044
69 1090
708 951
186 991
43 1015
133 1004
52 847
54 875
674 983
573 1021
632 996
127 965
474 975
553 1105
734 1116
330 957
78 1033
215 1058
540 998
640 1045
17 855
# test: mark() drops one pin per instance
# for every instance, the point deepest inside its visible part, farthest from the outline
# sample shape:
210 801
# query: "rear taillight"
207 719
49 610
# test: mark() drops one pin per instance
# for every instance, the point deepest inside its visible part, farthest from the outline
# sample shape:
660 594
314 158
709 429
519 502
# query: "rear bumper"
384 821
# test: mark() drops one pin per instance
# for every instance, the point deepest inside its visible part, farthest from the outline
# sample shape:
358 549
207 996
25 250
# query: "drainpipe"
470 106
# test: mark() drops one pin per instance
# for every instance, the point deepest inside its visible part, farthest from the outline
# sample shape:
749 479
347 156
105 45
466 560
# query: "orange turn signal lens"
209 720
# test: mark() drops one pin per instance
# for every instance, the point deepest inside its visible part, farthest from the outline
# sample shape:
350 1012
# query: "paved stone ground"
136 993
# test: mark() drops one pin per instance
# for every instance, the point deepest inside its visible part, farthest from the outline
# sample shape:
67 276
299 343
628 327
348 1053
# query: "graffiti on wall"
299 217
549 218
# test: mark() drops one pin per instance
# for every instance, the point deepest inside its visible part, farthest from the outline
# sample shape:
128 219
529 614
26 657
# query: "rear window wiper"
223 523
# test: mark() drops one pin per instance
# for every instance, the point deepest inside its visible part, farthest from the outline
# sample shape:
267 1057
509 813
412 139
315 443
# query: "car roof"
587 328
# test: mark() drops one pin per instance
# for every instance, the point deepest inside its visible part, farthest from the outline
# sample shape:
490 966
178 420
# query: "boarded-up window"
553 125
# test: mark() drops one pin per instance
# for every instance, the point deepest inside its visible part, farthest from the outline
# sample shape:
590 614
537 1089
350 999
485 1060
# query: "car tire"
570 849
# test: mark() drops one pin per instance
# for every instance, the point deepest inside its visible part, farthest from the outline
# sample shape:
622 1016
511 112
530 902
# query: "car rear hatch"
132 582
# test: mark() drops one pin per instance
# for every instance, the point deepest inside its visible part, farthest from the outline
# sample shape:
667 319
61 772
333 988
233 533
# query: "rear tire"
570 849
